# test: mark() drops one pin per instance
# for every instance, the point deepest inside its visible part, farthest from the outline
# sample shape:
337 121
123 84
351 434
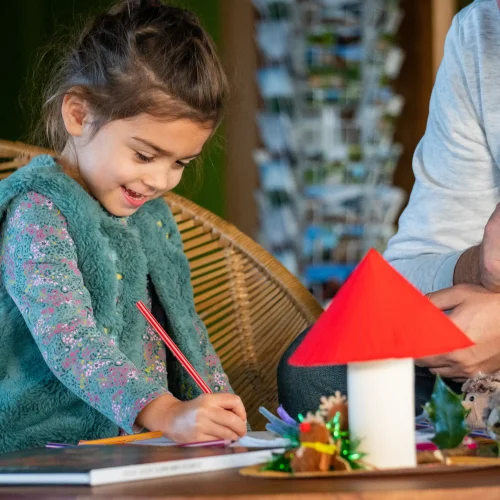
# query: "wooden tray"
466 466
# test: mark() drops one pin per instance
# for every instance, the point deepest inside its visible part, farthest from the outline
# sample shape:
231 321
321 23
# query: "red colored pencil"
171 345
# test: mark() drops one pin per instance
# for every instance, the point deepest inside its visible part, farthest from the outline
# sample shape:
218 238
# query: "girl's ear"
75 114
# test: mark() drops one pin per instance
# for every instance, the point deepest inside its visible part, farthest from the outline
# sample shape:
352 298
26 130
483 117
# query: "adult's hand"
476 311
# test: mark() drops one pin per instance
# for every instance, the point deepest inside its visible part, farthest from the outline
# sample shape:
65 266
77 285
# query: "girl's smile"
135 200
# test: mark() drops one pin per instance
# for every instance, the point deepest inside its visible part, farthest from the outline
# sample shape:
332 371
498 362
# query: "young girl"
86 235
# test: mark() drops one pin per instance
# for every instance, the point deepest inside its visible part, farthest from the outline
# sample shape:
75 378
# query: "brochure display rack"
326 125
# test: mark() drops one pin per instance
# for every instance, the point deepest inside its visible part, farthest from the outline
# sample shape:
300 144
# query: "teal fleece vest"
34 405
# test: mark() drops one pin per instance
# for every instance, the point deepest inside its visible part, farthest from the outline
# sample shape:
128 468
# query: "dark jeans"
300 389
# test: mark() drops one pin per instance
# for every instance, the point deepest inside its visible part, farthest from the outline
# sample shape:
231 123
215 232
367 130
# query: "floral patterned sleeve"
40 271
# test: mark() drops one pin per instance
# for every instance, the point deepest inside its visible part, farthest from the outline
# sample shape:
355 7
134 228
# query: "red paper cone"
377 315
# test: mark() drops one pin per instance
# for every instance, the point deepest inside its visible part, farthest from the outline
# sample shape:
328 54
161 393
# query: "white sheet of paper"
163 441
262 439
255 439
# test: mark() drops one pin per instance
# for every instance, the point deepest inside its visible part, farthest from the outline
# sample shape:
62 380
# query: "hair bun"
133 6
146 4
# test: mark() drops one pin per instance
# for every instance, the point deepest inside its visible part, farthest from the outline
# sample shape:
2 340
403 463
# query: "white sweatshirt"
456 164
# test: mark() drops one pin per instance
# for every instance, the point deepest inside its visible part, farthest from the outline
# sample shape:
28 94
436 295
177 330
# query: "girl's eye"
143 158
183 165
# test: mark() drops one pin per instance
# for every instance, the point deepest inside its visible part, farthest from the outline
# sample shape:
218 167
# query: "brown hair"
142 56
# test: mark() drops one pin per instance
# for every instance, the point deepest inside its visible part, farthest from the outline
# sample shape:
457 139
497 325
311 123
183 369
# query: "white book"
107 464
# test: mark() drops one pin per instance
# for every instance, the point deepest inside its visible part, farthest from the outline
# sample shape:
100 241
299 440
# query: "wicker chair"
252 306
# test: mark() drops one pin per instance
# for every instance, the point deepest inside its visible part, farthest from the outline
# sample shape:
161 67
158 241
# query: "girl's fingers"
205 437
235 404
228 419
232 403
239 411
213 428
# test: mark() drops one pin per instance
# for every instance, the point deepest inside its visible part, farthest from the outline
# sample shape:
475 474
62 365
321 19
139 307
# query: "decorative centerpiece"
319 442
321 445
377 325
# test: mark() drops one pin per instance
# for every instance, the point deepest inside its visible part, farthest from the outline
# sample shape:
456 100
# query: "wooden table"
460 485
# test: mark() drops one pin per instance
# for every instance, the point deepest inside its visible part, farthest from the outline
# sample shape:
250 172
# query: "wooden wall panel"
240 57
442 16
414 83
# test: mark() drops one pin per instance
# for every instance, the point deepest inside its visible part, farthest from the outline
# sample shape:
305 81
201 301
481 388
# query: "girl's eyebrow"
161 151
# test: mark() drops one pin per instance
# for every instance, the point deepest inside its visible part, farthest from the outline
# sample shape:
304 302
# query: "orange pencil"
153 435
126 439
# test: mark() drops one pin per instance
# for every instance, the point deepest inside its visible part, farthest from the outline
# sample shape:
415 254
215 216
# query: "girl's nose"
157 181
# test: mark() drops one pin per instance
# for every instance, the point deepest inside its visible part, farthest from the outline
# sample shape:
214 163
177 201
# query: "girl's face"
130 162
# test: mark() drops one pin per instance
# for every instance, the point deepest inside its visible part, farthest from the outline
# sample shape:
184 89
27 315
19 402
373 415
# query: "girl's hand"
206 418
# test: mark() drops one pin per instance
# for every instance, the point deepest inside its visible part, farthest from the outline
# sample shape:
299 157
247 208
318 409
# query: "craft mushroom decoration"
377 324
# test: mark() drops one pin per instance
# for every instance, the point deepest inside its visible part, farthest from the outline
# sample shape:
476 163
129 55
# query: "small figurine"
478 390
319 441
316 446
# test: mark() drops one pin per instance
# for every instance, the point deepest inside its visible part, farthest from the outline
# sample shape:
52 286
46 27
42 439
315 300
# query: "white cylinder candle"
381 396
